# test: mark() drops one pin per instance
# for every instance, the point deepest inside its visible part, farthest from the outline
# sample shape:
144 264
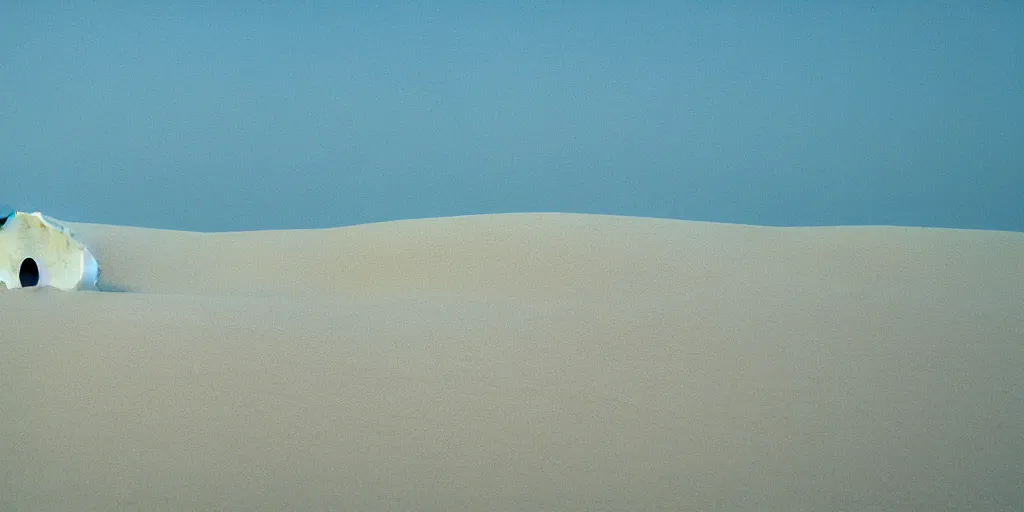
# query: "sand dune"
522 362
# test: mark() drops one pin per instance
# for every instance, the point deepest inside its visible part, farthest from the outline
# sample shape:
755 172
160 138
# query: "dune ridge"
527 254
522 362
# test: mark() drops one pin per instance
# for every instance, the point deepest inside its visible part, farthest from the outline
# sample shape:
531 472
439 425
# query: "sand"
522 362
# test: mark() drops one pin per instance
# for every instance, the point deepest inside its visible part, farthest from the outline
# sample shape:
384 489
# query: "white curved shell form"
59 260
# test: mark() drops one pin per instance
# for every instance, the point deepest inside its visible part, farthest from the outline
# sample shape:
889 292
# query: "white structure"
36 250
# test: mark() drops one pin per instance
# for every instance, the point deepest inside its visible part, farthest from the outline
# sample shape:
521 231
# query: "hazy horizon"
215 118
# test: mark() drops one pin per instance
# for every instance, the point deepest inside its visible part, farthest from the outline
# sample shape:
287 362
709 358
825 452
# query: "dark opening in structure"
29 273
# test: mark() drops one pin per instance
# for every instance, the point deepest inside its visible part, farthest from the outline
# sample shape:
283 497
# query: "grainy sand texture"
525 362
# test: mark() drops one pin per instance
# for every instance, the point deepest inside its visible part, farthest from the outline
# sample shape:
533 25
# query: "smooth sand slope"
522 362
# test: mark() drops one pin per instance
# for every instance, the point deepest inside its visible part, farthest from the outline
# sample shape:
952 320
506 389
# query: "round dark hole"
29 273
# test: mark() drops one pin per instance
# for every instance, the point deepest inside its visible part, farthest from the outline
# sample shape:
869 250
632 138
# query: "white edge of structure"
89 267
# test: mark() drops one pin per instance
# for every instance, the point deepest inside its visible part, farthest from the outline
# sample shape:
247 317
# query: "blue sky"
302 114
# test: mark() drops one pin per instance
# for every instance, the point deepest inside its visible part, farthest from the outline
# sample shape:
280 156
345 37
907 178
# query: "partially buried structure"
37 250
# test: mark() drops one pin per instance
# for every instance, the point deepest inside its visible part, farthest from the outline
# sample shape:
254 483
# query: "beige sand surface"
522 362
